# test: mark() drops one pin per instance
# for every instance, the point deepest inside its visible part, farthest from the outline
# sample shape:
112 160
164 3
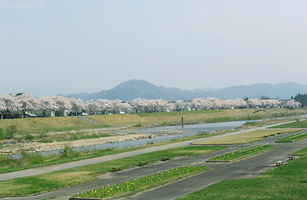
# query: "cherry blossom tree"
293 104
104 105
10 104
179 104
27 103
161 104
198 103
62 104
115 105
2 107
254 103
238 103
138 104
125 107
92 106
76 105
46 104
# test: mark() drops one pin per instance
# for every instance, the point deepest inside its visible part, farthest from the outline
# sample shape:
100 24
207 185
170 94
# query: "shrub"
68 151
35 159
28 137
2 135
10 131
138 125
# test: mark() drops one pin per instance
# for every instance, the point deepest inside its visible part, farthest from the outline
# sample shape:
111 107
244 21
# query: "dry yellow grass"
118 120
11 188
73 123
246 137
69 177
37 123
201 116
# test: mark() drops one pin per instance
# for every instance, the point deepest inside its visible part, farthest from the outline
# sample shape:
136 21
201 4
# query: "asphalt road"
247 168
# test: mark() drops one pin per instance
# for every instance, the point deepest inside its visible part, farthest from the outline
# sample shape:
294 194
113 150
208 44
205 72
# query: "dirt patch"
37 146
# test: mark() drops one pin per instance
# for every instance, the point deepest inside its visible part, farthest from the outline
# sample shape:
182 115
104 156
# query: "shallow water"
187 130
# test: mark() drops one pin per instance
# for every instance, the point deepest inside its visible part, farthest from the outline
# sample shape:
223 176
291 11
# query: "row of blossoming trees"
25 103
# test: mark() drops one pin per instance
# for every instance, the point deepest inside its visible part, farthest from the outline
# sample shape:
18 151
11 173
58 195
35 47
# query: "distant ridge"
133 89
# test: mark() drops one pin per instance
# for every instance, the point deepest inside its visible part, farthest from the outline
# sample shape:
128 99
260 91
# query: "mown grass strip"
301 124
236 154
288 181
128 186
247 137
293 138
72 176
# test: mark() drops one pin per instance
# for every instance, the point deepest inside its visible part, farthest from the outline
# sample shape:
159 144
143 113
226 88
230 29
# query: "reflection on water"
188 130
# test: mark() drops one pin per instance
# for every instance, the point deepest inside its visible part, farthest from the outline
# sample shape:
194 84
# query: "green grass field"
29 160
301 124
288 181
72 176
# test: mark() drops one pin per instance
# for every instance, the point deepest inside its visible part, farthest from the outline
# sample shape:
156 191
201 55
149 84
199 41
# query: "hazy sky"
187 44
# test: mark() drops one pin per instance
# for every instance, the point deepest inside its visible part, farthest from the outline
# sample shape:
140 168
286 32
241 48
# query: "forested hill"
133 89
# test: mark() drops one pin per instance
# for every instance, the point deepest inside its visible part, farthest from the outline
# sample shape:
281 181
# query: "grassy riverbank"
72 176
46 125
30 160
288 181
193 117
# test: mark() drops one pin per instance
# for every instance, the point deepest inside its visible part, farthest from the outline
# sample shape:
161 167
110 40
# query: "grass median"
142 183
240 153
72 176
288 181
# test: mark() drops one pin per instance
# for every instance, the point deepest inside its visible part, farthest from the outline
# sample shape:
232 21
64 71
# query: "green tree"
302 98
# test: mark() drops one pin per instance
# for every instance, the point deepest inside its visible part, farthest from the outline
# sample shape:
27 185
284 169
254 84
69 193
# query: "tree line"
23 104
302 98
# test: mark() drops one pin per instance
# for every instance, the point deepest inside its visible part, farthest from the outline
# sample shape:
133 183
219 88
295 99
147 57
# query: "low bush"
28 137
10 131
68 152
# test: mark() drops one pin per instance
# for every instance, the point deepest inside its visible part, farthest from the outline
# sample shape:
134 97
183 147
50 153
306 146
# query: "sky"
94 45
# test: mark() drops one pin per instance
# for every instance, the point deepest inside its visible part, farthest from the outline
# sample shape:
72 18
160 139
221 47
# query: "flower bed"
291 138
240 153
135 184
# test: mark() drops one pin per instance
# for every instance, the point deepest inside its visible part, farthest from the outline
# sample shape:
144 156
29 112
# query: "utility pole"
181 120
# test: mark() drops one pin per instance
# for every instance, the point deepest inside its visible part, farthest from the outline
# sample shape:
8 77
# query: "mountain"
133 89
280 91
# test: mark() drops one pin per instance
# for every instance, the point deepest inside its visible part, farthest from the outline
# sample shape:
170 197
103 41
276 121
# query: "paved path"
35 171
247 168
